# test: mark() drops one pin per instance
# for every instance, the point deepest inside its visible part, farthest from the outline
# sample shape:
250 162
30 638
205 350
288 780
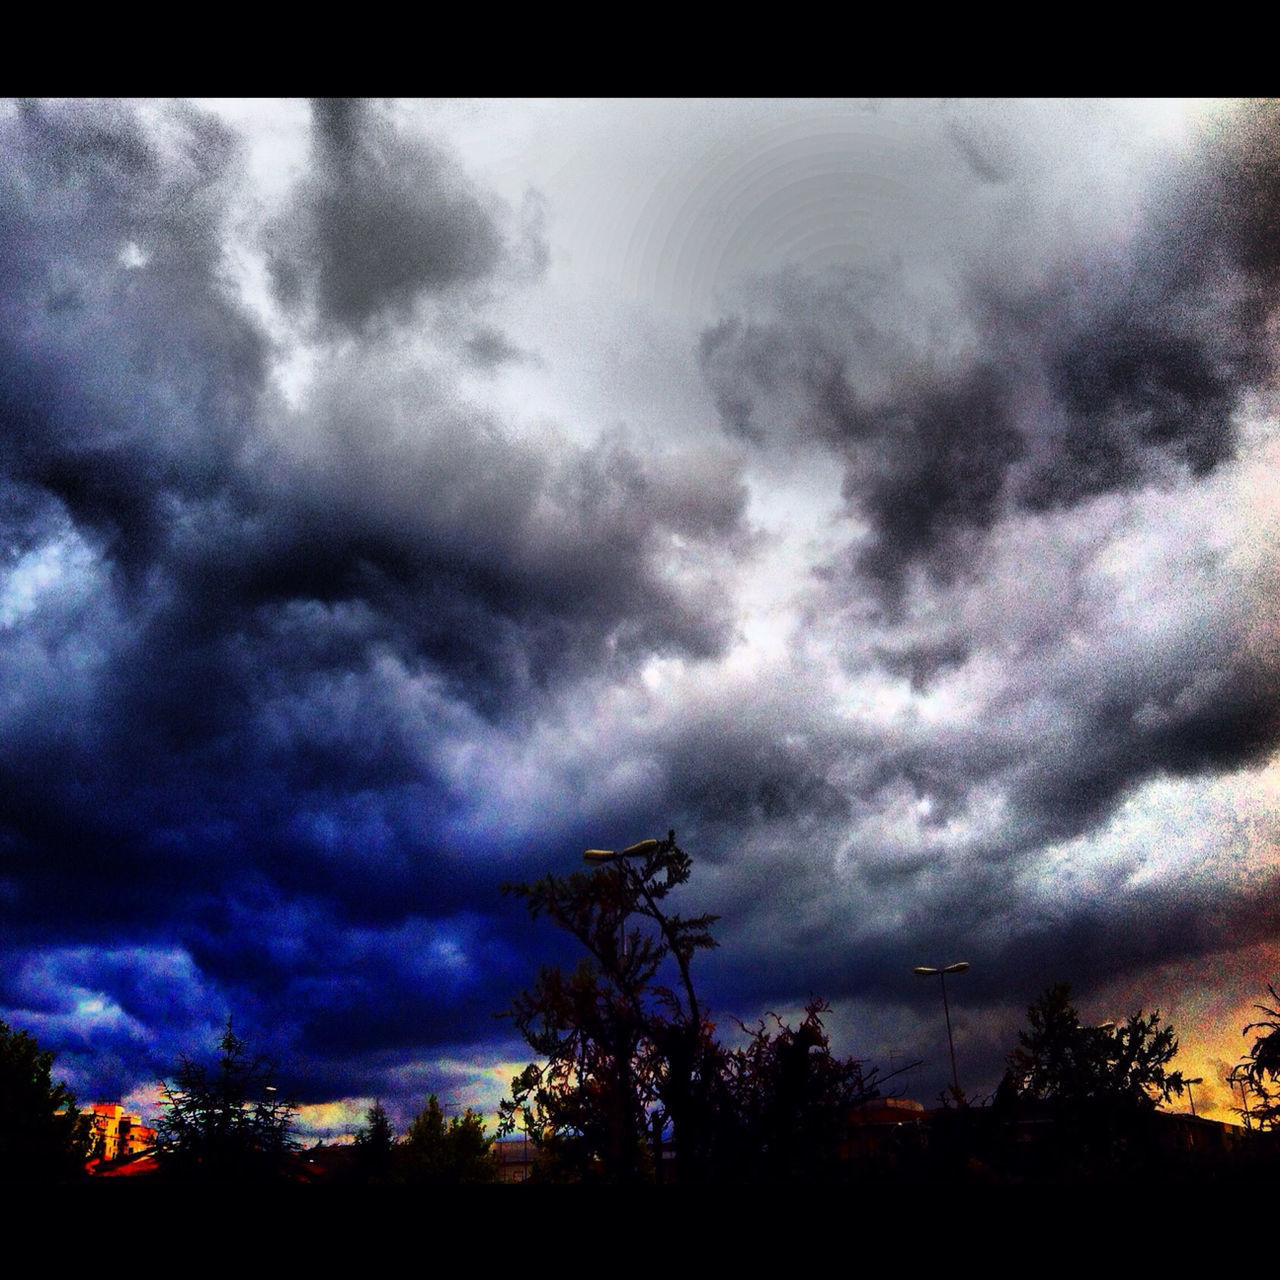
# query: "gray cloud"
129 371
1111 373
380 221
249 630
296 668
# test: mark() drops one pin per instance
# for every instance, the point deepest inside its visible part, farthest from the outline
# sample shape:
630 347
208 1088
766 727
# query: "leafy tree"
784 1103
625 1045
228 1124
1100 1084
1259 1071
43 1136
441 1153
1061 1060
375 1143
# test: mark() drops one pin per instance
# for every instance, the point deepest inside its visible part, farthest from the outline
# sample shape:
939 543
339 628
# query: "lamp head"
641 848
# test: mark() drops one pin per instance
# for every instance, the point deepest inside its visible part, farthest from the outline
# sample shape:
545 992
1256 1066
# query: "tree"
1258 1072
445 1154
375 1143
230 1124
630 1058
1062 1061
1099 1085
626 1049
43 1136
785 1101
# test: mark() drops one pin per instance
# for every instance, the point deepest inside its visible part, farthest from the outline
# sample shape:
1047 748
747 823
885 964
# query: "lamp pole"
678 1106
624 1049
1244 1102
1190 1095
926 971
641 849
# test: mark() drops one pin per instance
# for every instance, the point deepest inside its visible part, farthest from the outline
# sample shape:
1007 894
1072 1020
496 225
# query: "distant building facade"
515 1159
116 1133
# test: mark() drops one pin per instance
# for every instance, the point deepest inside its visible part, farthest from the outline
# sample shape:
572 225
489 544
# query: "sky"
398 498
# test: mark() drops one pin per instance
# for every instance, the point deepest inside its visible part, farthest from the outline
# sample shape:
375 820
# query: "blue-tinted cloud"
313 632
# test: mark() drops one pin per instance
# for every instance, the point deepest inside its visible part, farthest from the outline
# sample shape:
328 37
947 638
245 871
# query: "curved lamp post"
1191 1096
1244 1098
925 971
643 849
637 850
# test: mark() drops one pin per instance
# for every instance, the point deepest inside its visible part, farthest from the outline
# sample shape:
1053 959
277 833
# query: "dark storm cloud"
1149 348
1120 374
940 479
1149 352
1184 724
119 386
922 662
434 530
291 686
1115 372
1139 929
500 566
500 575
805 929
488 349
253 629
1069 734
744 777
379 221
409 977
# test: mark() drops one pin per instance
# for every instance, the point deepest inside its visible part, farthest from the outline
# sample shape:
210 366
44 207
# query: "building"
515 1159
117 1134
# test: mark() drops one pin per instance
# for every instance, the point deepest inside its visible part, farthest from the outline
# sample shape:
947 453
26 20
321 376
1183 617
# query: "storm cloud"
925 584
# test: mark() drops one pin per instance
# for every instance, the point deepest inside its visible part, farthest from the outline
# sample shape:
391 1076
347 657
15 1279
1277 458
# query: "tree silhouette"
1061 1060
626 1048
1098 1084
785 1102
43 1136
230 1124
630 1058
1259 1070
440 1153
375 1144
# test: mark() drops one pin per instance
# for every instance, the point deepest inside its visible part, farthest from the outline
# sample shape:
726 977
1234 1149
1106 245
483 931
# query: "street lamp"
1244 1097
1191 1096
638 884
925 971
637 850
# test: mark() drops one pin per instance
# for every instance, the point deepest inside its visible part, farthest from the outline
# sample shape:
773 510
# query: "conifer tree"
375 1143
230 1124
